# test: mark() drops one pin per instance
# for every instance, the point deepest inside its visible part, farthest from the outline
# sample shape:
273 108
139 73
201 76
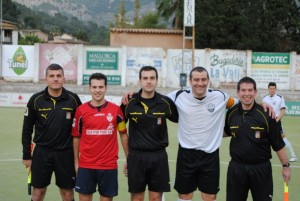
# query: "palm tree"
136 10
170 9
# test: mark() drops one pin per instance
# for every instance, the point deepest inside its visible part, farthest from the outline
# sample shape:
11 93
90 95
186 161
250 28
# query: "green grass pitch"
13 178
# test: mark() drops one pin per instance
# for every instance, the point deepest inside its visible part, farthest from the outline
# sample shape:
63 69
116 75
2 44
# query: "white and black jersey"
201 122
276 101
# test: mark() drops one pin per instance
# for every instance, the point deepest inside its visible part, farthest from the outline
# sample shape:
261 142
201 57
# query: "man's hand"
286 174
27 163
127 95
125 170
269 108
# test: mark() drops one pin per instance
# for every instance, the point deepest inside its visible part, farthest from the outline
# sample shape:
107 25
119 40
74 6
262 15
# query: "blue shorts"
88 179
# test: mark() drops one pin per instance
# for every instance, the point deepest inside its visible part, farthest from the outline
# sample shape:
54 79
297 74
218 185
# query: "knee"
67 194
38 194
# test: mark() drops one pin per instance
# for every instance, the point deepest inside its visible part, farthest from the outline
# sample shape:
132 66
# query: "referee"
253 134
147 112
50 114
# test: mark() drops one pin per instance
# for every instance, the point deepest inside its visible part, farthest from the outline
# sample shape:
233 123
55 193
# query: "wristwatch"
286 165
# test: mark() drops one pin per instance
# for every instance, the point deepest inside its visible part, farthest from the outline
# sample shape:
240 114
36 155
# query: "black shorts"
241 178
88 179
148 168
281 128
46 161
197 169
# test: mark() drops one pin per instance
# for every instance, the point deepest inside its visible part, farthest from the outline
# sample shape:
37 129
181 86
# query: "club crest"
210 107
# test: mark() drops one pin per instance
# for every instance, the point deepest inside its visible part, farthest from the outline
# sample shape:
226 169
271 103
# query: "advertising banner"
271 67
297 73
227 67
180 62
62 54
293 108
18 62
102 60
189 13
139 57
111 79
14 99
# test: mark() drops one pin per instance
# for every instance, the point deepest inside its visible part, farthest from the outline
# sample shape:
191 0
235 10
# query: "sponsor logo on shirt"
99 132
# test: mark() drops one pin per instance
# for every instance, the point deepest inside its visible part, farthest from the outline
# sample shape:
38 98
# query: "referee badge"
68 115
257 134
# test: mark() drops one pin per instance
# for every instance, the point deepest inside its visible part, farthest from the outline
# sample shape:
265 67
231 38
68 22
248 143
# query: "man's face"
148 81
272 90
199 82
97 89
55 79
247 95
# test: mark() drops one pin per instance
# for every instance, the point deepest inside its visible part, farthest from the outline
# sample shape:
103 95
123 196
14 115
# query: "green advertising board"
293 108
111 79
102 60
270 58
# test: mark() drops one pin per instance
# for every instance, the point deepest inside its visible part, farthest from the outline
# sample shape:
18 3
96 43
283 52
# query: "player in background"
278 104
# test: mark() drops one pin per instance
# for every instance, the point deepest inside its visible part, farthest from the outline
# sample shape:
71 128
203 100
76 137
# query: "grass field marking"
9 160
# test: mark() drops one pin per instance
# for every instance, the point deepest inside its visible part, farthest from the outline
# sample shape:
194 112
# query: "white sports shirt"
201 122
276 101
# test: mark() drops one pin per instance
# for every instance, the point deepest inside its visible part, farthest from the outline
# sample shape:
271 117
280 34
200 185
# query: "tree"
29 39
149 20
259 25
81 35
136 11
121 16
171 9
10 11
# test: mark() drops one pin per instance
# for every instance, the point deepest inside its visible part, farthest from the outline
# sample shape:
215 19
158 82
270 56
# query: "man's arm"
282 113
286 170
76 142
28 124
124 142
76 133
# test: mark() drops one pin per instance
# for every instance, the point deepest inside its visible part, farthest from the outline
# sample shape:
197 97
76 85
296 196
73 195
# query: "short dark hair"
246 80
199 69
54 67
148 68
272 84
98 76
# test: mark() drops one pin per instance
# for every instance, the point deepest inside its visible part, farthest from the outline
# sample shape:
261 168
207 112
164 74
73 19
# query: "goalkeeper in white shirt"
278 104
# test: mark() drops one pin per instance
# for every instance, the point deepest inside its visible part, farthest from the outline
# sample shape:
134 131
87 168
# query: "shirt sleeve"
121 122
282 103
77 123
276 140
173 110
231 102
172 95
28 124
